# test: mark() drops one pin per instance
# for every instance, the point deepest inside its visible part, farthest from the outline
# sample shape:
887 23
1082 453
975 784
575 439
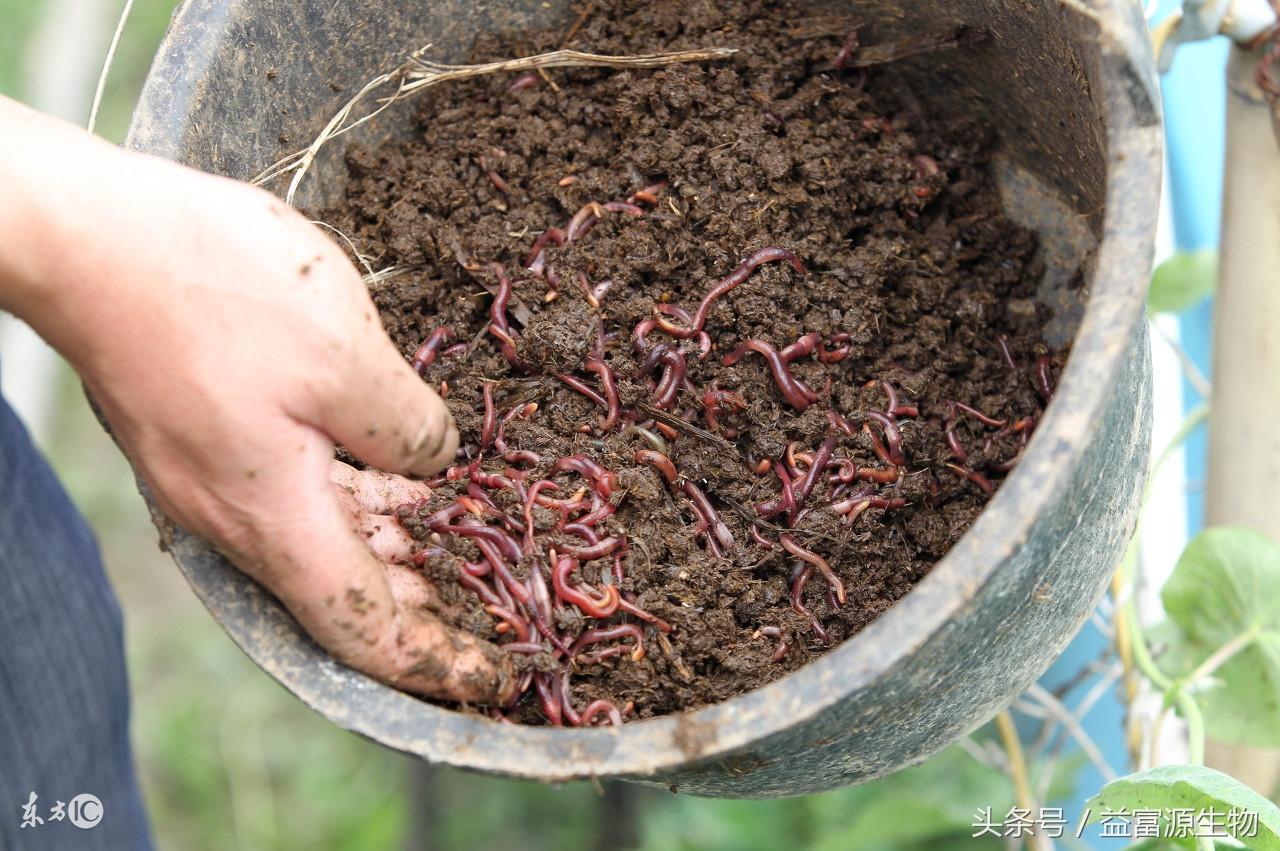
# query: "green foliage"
1227 585
1193 787
1183 281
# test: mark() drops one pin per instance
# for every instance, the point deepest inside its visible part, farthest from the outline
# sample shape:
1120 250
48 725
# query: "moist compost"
549 236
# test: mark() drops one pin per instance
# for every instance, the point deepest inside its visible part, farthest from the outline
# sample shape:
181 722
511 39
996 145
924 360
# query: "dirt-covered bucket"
1068 87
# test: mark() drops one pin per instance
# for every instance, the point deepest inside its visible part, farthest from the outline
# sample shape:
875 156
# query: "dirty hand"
230 345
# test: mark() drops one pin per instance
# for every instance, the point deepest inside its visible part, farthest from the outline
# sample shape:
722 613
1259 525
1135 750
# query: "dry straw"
418 73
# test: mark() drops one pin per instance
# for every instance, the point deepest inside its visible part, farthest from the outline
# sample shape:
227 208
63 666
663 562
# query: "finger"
387 417
340 593
375 491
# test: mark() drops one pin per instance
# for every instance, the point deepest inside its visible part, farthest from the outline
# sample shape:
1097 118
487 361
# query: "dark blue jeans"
64 697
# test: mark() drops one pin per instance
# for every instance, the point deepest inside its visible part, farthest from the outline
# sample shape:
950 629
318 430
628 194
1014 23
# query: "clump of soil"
913 281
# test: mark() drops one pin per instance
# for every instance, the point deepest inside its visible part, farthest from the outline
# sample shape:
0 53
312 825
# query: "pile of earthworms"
551 575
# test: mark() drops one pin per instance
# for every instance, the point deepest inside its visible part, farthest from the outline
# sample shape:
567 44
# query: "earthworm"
760 539
716 401
737 276
534 261
892 408
598 707
953 442
524 81
495 178
590 552
1044 378
627 207
498 538
662 311
837 354
490 416
519 411
603 480
789 544
426 353
516 623
972 475
613 408
531 498
522 456
583 531
548 697
840 422
530 648
978 415
584 388
796 394
583 221
892 437
595 608
659 461
797 601
819 464
775 632
717 531
655 440
785 504
480 588
1002 342
648 195
648 617
846 51
599 291
673 375
610 633
803 347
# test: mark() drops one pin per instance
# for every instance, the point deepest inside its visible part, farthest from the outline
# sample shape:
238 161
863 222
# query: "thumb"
386 416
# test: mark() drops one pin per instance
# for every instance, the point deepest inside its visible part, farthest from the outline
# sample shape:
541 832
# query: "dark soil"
897 219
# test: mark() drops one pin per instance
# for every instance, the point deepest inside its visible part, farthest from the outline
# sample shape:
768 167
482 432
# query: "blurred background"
230 760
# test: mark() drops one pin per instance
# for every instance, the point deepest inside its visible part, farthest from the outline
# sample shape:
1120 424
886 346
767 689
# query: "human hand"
230 345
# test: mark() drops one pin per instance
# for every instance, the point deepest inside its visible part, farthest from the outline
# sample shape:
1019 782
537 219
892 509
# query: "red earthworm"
716 529
478 569
892 437
846 51
892 408
797 601
716 402
655 440
803 347
953 442
1044 378
789 544
618 574
609 633
673 375
659 461
627 207
583 221
838 354
740 274
444 515
762 466
602 510
548 697
531 497
498 538
596 608
972 475
662 311
887 476
586 533
810 478
604 480
564 692
1003 343
498 309
978 415
785 504
770 631
490 417
840 422
477 508
495 178
522 456
648 617
600 290
517 623
531 648
535 260
520 411
760 539
648 195
524 81
590 552
426 353
480 587
492 481
640 332
793 390
597 707
613 407
789 457
584 388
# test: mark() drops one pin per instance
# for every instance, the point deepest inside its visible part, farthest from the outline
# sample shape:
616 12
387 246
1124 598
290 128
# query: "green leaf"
1182 281
1194 787
1226 583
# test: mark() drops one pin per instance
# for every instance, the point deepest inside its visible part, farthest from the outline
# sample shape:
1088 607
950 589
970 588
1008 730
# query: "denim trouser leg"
64 698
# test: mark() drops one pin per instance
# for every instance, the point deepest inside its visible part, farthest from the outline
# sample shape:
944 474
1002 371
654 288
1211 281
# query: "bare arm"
230 345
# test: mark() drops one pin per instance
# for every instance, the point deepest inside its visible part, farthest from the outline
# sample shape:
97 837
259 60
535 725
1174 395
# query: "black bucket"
1068 85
